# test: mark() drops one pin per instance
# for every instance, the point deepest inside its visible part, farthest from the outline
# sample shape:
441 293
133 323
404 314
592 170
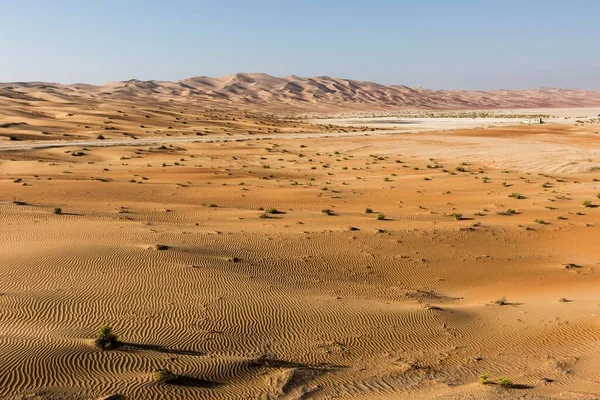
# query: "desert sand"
260 255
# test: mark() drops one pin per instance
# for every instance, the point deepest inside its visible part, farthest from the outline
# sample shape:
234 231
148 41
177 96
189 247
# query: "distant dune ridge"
296 94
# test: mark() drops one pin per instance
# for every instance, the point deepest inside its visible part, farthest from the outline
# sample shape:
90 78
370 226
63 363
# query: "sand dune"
296 94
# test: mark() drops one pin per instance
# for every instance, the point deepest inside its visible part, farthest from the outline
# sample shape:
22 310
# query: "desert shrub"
457 216
505 382
105 339
163 375
380 217
517 196
327 211
460 168
587 203
509 211
484 379
57 210
501 301
368 211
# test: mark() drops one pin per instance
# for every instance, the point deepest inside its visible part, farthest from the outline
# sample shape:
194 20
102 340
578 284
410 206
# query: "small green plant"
540 221
272 211
484 379
368 211
505 382
457 216
163 375
460 168
587 204
509 211
57 210
380 217
517 196
105 339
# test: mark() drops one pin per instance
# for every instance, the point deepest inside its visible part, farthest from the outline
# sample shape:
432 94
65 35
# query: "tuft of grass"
380 217
510 211
501 301
517 196
57 210
368 211
163 375
505 382
105 338
327 211
587 204
484 379
457 216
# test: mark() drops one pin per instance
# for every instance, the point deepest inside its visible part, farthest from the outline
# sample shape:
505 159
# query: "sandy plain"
275 281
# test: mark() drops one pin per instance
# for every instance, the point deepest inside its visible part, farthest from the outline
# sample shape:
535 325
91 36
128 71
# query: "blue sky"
438 44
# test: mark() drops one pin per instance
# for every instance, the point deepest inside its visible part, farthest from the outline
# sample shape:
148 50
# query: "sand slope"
300 304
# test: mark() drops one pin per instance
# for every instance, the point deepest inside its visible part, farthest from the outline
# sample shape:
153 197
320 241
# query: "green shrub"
380 217
457 216
484 379
505 382
368 211
57 210
163 375
105 339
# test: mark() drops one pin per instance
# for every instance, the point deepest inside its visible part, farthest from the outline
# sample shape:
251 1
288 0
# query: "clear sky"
438 44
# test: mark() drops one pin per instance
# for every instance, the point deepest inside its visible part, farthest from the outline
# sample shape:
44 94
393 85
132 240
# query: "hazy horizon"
462 45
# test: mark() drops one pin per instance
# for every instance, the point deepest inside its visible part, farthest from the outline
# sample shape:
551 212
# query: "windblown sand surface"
298 303
247 264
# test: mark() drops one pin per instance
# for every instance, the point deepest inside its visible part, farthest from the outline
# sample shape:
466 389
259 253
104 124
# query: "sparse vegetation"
457 216
505 382
57 210
381 217
105 338
163 375
484 379
501 301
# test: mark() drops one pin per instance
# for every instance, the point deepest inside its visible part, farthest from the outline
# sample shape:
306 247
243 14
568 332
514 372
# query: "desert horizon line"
290 77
